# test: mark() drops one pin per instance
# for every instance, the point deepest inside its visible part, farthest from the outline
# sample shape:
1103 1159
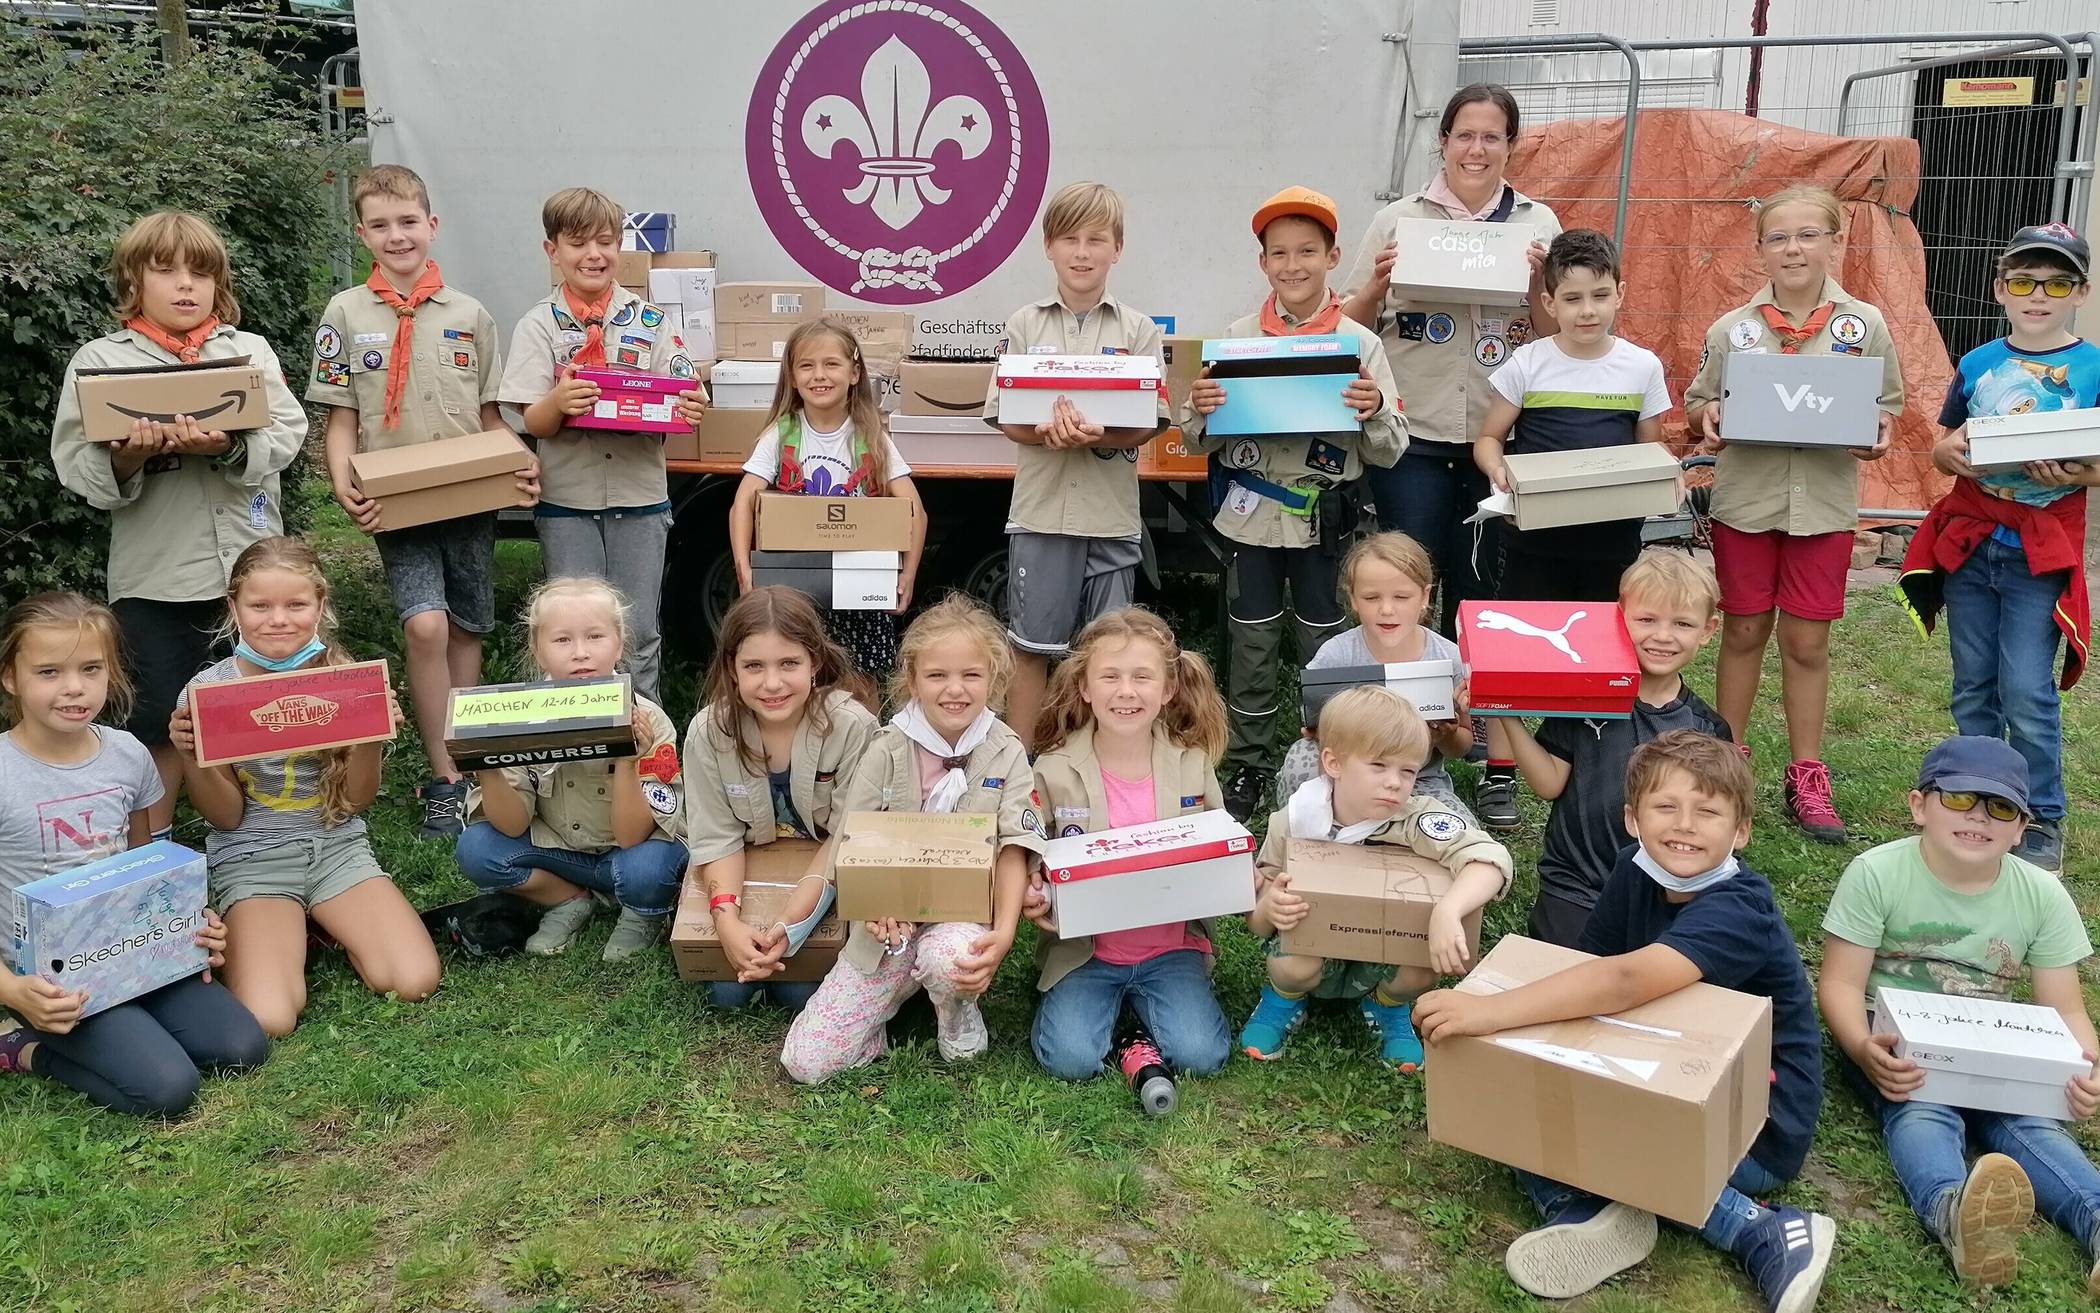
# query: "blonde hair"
789 615
396 182
81 615
580 212
1081 206
862 406
1716 767
957 613
1822 199
294 556
1391 548
168 237
1673 579
1193 714
576 589
1371 722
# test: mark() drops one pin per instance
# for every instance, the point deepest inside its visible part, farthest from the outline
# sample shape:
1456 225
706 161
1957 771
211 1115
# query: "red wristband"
720 901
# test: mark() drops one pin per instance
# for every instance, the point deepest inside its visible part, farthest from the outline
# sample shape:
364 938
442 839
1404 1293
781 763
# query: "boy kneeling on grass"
1678 909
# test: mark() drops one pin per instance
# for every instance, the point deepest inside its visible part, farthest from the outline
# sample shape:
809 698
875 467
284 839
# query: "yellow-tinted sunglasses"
2057 288
1998 809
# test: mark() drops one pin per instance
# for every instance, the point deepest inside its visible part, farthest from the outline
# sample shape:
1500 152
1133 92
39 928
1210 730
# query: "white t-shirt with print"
826 458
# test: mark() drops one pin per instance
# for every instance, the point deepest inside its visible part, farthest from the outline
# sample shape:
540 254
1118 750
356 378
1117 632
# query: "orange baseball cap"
1301 201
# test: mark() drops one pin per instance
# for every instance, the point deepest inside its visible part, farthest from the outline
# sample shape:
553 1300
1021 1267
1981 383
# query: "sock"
1386 1000
164 832
1499 769
1285 994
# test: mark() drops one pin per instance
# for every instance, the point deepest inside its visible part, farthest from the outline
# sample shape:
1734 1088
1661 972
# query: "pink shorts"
1802 576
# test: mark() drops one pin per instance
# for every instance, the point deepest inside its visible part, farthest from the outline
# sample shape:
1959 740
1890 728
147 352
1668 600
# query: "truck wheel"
700 576
980 571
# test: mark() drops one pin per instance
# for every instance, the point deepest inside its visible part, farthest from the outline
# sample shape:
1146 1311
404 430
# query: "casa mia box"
1368 902
1451 263
1117 392
113 929
1186 869
916 866
633 403
1431 687
837 581
2005 442
1548 659
296 711
1776 400
1278 386
1982 1053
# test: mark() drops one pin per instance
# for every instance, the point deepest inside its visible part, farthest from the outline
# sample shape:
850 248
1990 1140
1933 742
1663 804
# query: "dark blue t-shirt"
1735 935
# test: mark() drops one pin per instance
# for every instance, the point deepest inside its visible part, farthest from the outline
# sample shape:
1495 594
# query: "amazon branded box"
549 721
1653 1107
725 437
1283 386
1369 902
1453 263
115 928
1117 392
633 403
927 867
1430 686
1548 659
1983 1053
838 581
791 522
1630 481
944 387
296 711
442 480
930 443
222 396
1776 400
2005 442
773 872
1185 869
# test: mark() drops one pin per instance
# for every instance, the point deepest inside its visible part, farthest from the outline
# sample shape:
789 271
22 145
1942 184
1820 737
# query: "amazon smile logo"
232 401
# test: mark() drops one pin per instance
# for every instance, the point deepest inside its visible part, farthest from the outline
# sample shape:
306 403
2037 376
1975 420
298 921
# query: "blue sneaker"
1786 1255
1395 1027
1579 1248
1275 1017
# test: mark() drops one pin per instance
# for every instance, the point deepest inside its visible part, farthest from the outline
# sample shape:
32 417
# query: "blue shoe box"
1283 386
115 928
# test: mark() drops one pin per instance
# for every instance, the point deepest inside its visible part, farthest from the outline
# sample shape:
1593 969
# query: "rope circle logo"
898 149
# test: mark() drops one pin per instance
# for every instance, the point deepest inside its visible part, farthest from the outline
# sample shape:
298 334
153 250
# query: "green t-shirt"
1927 937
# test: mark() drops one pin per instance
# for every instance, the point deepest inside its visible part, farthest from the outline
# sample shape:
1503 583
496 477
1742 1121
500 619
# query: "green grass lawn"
560 1135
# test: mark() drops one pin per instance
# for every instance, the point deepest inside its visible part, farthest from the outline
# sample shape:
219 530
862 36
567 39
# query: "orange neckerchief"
591 314
184 348
428 284
1325 320
1790 337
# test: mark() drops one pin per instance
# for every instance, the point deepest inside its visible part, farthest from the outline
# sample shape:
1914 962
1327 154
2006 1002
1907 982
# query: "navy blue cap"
2056 238
1972 763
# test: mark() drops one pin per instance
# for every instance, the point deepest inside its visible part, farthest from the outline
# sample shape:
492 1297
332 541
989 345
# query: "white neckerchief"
1311 813
948 790
1684 884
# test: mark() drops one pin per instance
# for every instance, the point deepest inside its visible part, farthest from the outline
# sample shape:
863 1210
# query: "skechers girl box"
116 928
1117 392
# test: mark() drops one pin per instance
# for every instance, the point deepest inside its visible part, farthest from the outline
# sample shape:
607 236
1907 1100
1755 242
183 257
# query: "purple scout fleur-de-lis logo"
897 148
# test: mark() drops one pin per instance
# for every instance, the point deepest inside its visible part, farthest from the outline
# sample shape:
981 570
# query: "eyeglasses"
1488 139
1806 237
1998 809
2057 288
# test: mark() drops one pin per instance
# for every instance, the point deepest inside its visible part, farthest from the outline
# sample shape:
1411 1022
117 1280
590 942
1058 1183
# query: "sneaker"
1245 790
2043 844
1994 1206
1786 1255
1394 1026
1478 753
958 1029
1275 1017
632 933
444 809
14 1037
1809 803
559 926
1495 802
1579 1248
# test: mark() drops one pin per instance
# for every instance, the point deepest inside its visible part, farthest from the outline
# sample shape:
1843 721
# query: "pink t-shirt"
1130 803
931 768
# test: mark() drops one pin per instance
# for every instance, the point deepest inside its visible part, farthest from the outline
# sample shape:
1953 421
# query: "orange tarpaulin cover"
1691 245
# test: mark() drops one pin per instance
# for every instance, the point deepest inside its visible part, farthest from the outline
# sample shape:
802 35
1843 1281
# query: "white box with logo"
1982 1053
1453 263
2005 442
688 295
1117 392
744 384
837 581
936 442
1184 869
1831 400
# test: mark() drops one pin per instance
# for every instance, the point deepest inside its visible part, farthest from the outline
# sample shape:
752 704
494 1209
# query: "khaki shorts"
308 871
1340 979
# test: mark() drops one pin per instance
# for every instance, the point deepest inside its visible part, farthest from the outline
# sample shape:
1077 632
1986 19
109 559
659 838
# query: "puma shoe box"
1451 263
1548 659
1431 687
1626 482
2006 442
1283 386
1775 400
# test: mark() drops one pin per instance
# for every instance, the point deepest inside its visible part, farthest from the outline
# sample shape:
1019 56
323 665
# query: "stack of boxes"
845 552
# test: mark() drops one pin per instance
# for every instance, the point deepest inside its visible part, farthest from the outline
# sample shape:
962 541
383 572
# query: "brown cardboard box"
945 387
1170 453
1654 1107
885 336
757 303
763 340
442 480
916 866
789 522
725 435
1184 363
682 260
223 396
631 268
1369 902
772 873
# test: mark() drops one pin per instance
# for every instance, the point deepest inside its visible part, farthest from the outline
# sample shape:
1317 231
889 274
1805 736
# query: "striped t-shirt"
1578 405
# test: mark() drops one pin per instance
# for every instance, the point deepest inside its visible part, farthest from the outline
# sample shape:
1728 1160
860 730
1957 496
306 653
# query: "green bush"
94 132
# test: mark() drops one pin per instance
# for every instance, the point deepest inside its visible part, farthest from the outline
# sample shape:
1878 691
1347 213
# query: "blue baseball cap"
2057 239
1972 763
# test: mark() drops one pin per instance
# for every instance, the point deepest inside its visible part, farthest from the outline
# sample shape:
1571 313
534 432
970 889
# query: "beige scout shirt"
595 469
1442 354
453 366
1425 827
728 807
887 780
1801 491
571 801
176 525
1295 462
1075 802
1080 492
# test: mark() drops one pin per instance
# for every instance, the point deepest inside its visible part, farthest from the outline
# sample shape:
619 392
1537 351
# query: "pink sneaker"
14 1037
1809 802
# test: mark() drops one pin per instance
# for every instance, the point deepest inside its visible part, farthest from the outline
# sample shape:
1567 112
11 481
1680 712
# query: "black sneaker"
1787 1256
2043 844
1495 802
1245 790
1478 753
444 809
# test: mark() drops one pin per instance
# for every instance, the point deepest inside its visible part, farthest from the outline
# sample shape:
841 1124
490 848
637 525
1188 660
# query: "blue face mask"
1683 884
277 665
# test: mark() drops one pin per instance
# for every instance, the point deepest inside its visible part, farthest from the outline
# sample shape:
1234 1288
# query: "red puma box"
300 710
1548 659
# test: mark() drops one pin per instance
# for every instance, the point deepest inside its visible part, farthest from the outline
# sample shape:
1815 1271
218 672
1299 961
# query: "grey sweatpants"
625 548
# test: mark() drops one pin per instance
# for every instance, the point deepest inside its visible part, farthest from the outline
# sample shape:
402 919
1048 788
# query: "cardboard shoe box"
1185 869
1548 659
442 480
296 711
884 336
1431 686
743 384
542 722
1456 263
222 396
1630 481
634 403
725 437
838 581
944 387
1653 1107
2014 1058
929 443
1367 902
791 522
1801 400
1283 386
756 303
1184 357
1117 392
772 873
115 928
926 867
2005 442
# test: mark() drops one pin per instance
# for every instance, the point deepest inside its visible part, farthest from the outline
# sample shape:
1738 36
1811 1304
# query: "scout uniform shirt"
887 780
1080 492
1425 827
1068 777
595 469
1300 464
1446 352
1800 491
178 523
728 807
453 366
571 803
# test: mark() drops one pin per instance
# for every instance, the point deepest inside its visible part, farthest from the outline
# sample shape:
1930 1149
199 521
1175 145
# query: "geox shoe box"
1627 482
1283 386
1548 659
743 384
1431 687
2014 1058
927 867
1800 401
773 873
837 581
633 403
2005 442
1117 392
115 928
545 722
1367 902
1185 869
223 396
442 480
1456 263
296 711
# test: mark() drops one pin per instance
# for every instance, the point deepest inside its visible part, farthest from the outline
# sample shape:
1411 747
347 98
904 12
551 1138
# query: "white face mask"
1683 884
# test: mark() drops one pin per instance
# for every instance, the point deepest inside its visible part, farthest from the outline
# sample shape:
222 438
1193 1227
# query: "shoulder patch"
625 314
1440 826
1849 329
997 782
1745 334
663 799
651 316
1031 821
328 343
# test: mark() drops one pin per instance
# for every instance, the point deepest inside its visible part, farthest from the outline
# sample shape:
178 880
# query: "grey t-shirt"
281 795
1348 648
54 818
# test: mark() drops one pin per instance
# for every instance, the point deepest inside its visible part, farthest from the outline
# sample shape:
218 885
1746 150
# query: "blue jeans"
789 994
1428 496
1732 1215
1075 1021
1926 1144
644 878
2001 625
